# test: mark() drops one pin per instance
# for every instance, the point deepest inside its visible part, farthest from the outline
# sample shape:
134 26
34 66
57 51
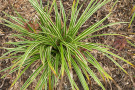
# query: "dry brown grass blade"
33 25
119 88
60 85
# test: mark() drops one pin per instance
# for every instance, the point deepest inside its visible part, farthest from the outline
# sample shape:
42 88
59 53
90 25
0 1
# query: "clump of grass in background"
56 47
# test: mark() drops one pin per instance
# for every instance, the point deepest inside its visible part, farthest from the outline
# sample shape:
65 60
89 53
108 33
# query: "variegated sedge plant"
57 48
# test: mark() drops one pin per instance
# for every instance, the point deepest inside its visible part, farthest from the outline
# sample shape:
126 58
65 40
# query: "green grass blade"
32 77
84 17
104 50
70 77
116 63
90 72
80 75
131 20
46 18
42 79
64 17
19 75
92 29
95 63
51 6
104 35
131 43
42 54
26 55
86 32
48 53
62 59
14 18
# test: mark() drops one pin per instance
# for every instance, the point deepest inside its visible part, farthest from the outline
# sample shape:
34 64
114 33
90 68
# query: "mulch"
120 13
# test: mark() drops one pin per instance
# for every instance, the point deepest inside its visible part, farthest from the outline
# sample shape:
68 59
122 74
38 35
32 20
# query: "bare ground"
121 12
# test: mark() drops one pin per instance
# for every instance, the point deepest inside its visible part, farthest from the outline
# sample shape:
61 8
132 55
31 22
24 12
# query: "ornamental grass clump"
57 47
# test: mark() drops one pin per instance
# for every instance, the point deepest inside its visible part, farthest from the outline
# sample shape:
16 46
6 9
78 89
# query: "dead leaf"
120 42
1 33
33 25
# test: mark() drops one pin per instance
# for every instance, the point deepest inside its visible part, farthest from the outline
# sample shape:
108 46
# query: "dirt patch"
120 13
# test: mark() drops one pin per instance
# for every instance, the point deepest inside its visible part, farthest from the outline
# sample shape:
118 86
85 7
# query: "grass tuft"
56 48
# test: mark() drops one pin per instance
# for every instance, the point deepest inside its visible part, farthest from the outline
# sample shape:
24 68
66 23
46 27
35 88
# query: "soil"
120 13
